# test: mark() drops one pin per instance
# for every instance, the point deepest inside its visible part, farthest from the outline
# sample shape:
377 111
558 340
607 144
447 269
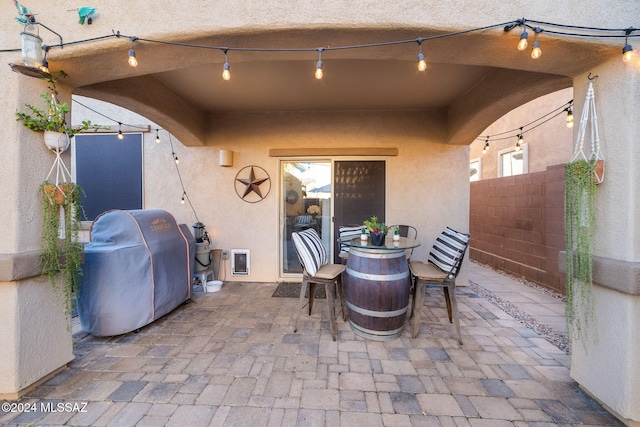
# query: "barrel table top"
389 244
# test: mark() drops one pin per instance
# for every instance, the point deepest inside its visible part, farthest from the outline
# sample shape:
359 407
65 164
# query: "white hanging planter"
56 141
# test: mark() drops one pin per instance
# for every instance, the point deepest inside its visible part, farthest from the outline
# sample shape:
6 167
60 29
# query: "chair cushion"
447 249
426 271
329 271
311 252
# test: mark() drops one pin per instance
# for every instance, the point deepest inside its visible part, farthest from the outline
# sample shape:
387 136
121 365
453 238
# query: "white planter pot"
56 141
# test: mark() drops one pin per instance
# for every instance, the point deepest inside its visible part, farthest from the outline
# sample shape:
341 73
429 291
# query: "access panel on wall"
109 171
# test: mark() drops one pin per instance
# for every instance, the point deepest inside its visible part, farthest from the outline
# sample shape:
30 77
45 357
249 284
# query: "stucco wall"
424 185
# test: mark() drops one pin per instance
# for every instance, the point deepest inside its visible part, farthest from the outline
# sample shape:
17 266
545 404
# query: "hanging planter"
56 141
582 174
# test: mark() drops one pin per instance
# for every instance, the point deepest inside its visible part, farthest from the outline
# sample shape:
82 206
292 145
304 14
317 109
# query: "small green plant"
54 115
61 252
374 226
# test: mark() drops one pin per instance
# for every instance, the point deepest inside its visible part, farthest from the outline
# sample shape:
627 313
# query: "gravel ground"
555 337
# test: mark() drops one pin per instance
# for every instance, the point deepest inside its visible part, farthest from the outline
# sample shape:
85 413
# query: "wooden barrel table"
377 291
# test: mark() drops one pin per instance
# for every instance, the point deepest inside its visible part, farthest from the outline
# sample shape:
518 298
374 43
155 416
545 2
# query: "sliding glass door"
324 194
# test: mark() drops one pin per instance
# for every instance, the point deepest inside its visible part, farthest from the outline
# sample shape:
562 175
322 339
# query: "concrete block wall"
517 225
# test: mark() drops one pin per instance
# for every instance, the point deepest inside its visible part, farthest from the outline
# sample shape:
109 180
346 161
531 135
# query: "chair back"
310 250
345 233
404 231
448 251
407 231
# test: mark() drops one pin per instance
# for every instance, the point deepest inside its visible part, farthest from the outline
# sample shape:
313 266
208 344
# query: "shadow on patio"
231 358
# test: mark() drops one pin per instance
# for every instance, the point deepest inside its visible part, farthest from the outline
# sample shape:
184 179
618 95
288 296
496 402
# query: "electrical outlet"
225 254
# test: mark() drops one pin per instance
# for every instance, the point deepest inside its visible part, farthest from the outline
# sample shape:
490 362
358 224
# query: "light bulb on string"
45 64
536 51
120 134
175 158
486 146
226 72
627 51
182 201
522 44
319 73
569 117
422 64
157 136
520 141
133 61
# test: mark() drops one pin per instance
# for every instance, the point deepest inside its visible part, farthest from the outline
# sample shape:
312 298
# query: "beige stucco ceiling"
471 79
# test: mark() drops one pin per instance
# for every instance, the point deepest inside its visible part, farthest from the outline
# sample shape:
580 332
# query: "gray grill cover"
138 267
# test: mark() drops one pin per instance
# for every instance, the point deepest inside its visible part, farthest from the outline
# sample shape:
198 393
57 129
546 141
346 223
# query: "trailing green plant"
54 115
61 252
580 220
374 226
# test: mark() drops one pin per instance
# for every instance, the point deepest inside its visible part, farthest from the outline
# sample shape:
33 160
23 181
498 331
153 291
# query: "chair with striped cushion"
316 270
345 233
441 269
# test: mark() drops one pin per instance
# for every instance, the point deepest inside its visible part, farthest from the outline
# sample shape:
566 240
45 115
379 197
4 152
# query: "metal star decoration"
252 184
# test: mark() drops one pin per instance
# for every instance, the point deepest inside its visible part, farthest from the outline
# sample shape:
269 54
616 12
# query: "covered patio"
231 358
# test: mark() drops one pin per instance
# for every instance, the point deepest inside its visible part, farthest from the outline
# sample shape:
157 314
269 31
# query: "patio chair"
441 269
316 270
346 232
405 231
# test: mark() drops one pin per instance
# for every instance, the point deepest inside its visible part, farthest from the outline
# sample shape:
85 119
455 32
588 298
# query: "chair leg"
454 307
418 301
303 288
447 299
342 295
330 290
312 294
412 292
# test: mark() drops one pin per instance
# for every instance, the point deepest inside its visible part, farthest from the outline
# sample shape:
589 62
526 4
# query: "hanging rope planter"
582 174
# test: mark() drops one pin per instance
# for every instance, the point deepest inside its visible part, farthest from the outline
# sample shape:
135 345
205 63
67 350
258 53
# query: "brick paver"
231 358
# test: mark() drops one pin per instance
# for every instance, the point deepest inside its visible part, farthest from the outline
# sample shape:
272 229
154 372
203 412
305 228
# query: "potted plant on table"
377 230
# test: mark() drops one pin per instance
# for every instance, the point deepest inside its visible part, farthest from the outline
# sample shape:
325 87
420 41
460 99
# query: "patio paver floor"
231 359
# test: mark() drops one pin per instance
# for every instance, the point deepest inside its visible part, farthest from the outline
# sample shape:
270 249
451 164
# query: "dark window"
109 171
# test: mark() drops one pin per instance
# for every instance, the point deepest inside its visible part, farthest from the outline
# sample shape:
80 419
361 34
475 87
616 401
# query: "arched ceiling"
474 79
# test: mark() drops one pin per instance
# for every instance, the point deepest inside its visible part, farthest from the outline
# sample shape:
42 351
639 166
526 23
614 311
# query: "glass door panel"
305 203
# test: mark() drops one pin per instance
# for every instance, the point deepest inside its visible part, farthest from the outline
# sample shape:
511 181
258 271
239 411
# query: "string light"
182 201
175 158
522 44
627 51
536 52
157 136
422 64
45 64
569 117
133 61
319 73
226 72
120 134
520 141
486 146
